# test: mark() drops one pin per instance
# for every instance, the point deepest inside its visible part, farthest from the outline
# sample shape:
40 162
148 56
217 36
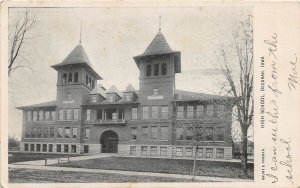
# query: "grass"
22 156
174 166
44 176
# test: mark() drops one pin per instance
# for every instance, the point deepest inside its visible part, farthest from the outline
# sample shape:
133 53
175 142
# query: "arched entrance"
109 142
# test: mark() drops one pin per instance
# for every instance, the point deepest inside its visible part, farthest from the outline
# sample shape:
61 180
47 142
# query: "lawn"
174 166
22 156
44 176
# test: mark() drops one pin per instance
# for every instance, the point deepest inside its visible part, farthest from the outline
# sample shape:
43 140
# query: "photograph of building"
155 121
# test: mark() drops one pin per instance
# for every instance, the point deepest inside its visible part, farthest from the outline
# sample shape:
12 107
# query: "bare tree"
18 34
240 86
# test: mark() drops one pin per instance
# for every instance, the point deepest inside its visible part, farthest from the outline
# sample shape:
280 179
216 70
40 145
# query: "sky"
111 37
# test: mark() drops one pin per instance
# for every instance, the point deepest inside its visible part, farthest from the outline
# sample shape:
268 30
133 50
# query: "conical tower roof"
129 89
158 45
114 89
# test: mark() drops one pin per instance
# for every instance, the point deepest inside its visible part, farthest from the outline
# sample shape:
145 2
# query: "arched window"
156 69
70 78
64 78
93 84
163 69
87 80
148 70
76 77
90 82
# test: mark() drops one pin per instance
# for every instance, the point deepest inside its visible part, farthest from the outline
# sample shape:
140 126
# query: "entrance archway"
109 142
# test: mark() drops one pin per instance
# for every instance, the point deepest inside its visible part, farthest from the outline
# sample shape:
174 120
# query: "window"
88 114
164 112
110 98
66 148
220 153
132 150
199 133
221 110
144 150
39 132
209 133
44 147
87 133
60 114
153 150
67 132
180 112
133 133
41 115
128 97
164 69
73 148
93 84
50 148
189 133
53 115
144 132
75 113
155 91
210 111
154 112
59 132
156 69
70 78
164 133
47 116
85 149
179 133
190 112
33 132
58 148
69 96
148 70
153 132
87 80
38 147
74 132
26 147
163 151
64 78
209 152
68 114
220 134
27 132
31 147
134 113
35 113
51 132
145 112
200 111
90 82
76 77
188 151
200 152
94 98
179 151
46 132
29 116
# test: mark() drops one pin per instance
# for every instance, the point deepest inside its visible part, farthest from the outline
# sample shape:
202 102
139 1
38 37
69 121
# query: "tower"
158 66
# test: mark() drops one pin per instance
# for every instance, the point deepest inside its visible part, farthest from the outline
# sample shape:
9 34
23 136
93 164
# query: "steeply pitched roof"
77 57
39 105
114 89
129 89
193 96
98 90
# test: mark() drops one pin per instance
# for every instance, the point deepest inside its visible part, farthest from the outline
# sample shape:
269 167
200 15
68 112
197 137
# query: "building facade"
155 121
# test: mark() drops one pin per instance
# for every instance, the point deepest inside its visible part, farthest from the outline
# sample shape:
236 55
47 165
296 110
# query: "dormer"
113 94
98 94
129 94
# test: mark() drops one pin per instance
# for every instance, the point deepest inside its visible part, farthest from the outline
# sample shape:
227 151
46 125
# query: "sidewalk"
132 173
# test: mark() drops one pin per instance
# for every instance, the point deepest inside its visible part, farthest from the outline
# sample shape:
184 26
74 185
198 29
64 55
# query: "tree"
18 34
240 85
197 138
13 143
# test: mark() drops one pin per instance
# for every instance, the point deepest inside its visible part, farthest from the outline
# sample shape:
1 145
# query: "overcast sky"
111 37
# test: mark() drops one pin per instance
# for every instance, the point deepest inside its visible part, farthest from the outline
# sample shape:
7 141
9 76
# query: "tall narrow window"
164 112
93 84
27 132
200 111
59 132
70 78
76 77
134 113
39 132
144 150
188 151
46 132
133 133
220 134
179 151
209 133
163 151
153 150
180 112
164 133
220 153
60 114
179 133
153 132
47 115
87 80
210 110
148 70
145 112
53 115
51 132
75 113
209 152
221 110
74 132
90 82
64 78
132 150
41 115
29 116
87 133
154 112
33 132
189 133
67 132
88 114
144 132
68 114
190 112
35 115
164 69
156 69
